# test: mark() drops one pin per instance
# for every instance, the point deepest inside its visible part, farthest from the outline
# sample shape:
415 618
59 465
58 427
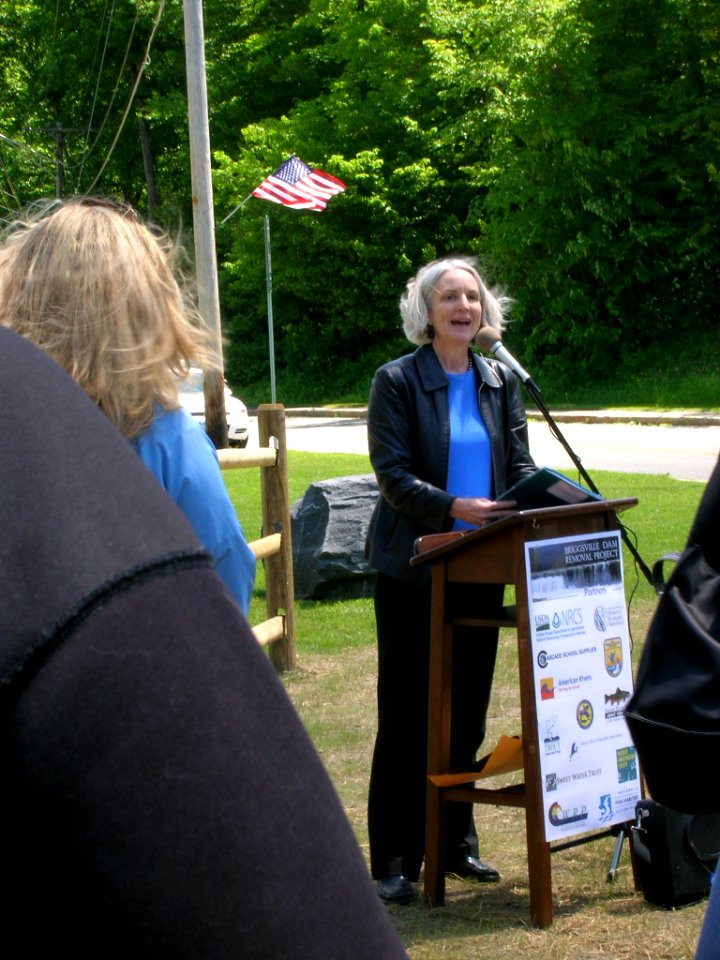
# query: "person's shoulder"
175 421
400 366
391 378
177 430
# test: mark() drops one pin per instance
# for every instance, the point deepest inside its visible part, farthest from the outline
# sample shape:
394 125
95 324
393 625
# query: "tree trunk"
153 200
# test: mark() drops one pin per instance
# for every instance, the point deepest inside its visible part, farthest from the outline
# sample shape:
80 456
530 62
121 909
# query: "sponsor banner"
583 679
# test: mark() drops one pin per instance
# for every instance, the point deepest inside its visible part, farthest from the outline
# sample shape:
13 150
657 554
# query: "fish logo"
618 697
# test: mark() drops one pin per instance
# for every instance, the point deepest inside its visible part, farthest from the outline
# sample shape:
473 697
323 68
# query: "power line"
38 157
89 149
11 192
52 44
97 83
136 84
91 146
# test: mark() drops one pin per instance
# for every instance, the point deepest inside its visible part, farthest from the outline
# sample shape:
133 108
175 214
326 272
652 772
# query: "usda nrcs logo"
542 622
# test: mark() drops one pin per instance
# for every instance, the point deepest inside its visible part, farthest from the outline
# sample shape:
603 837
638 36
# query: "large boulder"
329 526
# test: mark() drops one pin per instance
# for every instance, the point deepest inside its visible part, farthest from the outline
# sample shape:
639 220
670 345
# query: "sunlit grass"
333 690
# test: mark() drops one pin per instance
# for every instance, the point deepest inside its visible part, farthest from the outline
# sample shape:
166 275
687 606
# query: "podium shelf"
506 618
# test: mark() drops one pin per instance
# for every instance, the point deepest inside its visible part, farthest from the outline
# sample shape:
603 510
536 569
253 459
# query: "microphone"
488 340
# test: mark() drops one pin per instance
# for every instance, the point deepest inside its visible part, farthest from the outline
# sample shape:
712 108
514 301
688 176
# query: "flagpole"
233 212
268 284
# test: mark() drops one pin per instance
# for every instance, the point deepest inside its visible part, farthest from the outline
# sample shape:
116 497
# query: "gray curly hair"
415 302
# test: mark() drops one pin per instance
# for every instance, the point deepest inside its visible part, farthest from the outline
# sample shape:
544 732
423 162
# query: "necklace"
447 367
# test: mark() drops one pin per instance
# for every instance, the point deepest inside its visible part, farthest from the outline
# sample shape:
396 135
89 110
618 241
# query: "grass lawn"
333 690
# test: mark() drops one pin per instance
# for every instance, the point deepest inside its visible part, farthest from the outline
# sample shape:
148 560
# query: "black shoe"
470 868
395 889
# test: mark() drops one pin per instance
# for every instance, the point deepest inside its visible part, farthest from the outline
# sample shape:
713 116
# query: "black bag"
675 853
674 714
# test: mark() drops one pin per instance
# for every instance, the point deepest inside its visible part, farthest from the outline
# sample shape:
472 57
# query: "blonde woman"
90 284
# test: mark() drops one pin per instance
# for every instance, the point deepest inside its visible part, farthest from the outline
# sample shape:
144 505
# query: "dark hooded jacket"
160 797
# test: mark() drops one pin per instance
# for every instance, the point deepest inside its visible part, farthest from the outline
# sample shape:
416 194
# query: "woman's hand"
478 510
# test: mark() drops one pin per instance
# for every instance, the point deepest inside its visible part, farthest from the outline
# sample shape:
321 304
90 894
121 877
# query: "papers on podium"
548 488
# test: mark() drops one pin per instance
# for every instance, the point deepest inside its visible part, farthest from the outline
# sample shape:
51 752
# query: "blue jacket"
182 457
409 443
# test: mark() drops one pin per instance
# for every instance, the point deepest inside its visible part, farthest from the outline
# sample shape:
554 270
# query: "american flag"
295 184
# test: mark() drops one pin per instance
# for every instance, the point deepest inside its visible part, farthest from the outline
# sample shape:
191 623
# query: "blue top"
179 453
470 462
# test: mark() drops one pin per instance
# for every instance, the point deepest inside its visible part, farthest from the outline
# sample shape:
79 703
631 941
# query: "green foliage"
603 215
76 80
326 313
337 277
571 144
678 372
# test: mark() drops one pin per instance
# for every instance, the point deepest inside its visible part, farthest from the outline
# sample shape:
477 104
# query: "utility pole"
203 216
58 131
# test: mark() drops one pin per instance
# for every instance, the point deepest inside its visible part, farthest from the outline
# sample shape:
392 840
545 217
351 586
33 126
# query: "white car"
192 399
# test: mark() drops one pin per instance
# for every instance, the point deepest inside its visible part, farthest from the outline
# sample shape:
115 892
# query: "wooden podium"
494 554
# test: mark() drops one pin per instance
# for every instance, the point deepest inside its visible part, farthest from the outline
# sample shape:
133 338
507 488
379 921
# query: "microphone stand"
534 391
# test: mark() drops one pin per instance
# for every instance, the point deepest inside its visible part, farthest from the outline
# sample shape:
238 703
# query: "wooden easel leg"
435 847
540 874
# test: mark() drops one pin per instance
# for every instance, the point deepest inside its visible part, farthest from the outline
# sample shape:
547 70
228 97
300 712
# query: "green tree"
603 208
82 84
384 120
571 144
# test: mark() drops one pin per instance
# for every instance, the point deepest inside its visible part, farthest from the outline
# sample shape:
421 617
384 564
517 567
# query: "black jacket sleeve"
401 427
705 531
162 800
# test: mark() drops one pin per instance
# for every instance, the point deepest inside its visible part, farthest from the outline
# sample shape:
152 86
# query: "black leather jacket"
409 443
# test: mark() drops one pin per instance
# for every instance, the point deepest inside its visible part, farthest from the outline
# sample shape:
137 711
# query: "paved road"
687 453
684 452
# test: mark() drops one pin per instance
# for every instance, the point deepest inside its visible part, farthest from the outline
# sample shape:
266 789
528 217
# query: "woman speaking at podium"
447 435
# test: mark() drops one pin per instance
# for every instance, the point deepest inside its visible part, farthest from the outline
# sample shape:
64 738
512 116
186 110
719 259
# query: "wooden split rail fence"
274 548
